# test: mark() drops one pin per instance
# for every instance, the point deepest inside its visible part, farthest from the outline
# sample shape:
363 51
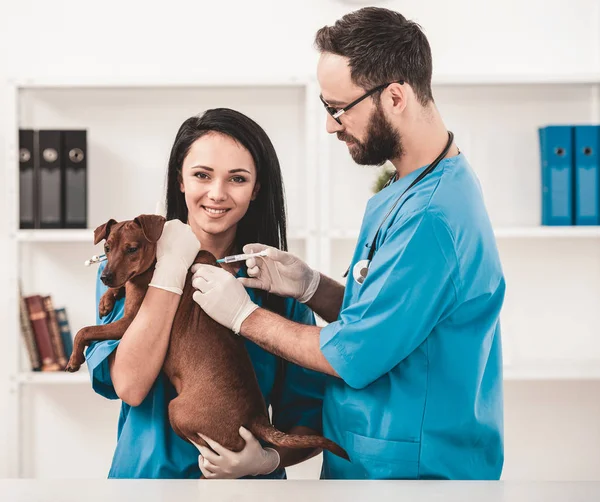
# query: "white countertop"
77 490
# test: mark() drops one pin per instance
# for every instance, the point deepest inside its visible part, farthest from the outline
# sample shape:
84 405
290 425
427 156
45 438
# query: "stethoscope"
361 269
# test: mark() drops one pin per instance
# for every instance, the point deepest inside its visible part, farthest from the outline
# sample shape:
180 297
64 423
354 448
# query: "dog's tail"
265 431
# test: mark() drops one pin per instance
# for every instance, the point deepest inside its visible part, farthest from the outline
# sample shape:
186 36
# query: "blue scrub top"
147 446
417 345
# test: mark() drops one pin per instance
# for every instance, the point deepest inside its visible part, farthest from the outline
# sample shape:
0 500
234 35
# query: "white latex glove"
280 273
222 463
175 252
221 296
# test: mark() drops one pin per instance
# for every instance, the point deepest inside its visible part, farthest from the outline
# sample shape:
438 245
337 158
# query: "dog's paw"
107 303
72 368
75 362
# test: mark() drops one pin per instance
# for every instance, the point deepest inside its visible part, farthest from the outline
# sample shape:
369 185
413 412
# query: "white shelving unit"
494 119
161 106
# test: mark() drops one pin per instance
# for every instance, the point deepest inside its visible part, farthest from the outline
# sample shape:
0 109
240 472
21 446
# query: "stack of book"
46 333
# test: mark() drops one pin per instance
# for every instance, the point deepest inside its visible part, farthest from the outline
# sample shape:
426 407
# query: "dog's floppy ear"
103 230
152 225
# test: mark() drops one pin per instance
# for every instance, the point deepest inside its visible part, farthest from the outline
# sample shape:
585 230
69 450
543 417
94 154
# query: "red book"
39 323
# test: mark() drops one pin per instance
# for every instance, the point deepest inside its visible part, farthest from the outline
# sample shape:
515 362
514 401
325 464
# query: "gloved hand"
280 273
221 296
175 252
253 460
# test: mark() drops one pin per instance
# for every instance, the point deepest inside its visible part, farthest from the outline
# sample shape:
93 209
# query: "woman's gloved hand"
221 463
175 252
280 273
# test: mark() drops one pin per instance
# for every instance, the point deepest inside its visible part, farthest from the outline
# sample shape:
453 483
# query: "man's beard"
383 143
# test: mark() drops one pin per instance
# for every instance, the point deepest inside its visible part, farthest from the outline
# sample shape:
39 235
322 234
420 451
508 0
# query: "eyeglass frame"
336 113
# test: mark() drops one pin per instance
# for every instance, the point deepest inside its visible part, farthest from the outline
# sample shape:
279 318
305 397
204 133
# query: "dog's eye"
132 250
106 249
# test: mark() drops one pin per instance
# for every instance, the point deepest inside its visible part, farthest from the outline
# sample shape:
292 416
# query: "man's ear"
152 225
255 191
398 95
103 230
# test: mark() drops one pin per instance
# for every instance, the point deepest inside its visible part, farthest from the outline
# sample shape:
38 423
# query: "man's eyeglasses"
336 113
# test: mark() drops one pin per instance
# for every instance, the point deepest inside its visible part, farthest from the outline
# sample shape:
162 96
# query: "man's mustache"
346 137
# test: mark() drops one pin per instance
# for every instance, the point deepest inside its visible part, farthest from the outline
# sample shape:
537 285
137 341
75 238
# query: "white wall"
551 428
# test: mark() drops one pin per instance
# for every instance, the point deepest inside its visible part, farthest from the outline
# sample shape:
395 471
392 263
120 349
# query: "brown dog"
207 364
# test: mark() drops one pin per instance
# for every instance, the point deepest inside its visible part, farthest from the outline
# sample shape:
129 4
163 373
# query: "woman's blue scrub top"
147 446
417 345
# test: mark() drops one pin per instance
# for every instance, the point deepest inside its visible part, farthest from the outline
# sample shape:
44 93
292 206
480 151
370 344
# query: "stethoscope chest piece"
360 271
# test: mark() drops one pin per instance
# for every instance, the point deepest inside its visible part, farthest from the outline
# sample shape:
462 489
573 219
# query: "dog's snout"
107 277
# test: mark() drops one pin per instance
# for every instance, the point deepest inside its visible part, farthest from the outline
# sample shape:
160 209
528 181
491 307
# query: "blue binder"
587 165
556 152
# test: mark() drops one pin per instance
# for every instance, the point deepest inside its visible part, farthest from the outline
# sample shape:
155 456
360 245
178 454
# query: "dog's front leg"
107 302
89 334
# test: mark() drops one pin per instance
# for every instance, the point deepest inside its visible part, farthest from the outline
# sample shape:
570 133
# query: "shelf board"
548 232
200 80
549 371
53 377
58 235
527 232
517 79
158 81
519 372
87 235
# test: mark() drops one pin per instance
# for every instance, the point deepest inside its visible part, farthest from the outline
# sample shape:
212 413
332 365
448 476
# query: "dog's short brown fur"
207 364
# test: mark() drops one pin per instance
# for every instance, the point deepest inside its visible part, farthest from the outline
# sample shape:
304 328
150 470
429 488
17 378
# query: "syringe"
95 259
241 257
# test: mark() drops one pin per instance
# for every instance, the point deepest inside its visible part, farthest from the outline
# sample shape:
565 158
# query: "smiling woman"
224 180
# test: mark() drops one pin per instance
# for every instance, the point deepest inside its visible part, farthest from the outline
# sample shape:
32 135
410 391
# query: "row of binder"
52 178
570 174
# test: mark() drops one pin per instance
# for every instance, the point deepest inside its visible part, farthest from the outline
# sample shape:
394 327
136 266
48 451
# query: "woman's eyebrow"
231 171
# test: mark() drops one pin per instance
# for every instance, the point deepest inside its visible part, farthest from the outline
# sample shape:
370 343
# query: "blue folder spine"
556 152
587 165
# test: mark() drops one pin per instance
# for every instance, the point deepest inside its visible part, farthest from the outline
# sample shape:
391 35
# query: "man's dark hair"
382 46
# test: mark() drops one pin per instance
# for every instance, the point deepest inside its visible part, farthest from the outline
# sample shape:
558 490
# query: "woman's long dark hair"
265 220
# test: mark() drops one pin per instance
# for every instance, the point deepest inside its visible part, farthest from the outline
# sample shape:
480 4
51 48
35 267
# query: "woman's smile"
214 212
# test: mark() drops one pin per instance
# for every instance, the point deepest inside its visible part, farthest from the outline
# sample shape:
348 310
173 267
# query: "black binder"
74 181
27 188
49 182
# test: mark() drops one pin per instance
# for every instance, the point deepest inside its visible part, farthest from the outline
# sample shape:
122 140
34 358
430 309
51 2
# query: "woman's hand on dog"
221 463
176 250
